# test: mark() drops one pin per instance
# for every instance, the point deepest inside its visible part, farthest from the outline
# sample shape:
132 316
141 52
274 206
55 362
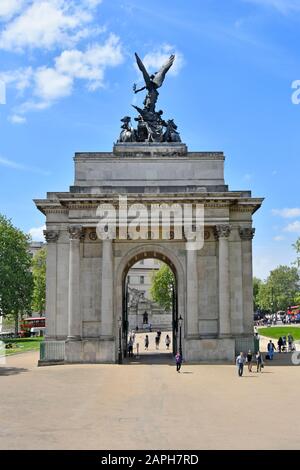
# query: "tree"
162 287
256 286
296 246
39 281
280 289
16 282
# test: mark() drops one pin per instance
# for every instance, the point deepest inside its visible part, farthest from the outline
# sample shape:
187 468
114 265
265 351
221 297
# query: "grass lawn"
22 344
276 331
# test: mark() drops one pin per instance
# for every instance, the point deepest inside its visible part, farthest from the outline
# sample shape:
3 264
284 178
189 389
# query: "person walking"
130 347
240 361
290 342
157 340
146 342
249 360
259 361
271 349
168 341
280 344
178 359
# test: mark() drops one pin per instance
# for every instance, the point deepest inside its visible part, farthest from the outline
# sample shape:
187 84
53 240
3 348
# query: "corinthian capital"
246 233
222 231
75 232
51 236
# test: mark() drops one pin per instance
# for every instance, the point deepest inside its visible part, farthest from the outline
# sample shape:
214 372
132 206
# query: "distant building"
34 247
142 310
140 275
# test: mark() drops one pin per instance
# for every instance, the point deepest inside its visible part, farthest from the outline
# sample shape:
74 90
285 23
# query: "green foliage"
277 331
39 281
15 276
256 286
19 345
280 290
296 246
162 287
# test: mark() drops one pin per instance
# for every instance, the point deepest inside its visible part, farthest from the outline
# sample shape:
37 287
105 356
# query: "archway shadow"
7 371
151 359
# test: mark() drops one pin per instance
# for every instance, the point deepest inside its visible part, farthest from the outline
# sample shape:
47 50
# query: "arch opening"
149 308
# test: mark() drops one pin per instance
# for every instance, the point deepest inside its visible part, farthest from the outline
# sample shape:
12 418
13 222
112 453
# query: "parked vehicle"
33 326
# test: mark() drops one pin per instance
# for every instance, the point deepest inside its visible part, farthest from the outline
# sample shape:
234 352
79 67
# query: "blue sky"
68 68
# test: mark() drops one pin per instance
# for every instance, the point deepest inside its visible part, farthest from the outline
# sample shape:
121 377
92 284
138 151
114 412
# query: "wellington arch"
85 273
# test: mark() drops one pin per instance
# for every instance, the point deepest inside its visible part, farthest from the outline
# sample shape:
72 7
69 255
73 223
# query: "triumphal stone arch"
104 224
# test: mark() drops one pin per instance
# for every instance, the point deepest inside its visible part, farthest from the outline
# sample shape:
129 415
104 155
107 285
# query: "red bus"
294 313
33 326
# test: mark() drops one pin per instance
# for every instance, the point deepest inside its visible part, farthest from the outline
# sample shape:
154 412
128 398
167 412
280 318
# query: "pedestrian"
290 341
178 359
284 343
168 341
130 347
271 349
146 342
259 361
240 361
157 340
280 344
249 360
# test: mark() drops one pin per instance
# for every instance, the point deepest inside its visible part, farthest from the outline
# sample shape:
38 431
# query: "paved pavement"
147 407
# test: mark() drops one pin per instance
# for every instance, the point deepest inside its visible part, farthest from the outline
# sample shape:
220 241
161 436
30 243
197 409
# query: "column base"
90 351
212 350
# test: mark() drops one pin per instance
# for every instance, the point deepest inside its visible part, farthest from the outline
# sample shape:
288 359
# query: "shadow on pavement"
5 371
149 358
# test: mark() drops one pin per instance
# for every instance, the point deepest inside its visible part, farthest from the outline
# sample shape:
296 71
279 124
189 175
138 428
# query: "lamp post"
180 320
120 341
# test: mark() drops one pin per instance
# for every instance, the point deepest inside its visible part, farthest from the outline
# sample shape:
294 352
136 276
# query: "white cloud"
20 78
283 6
8 8
279 238
293 227
46 24
37 234
91 64
287 213
155 59
16 119
51 85
18 166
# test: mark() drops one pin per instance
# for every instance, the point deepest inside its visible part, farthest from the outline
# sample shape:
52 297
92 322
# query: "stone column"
222 233
51 280
107 289
236 281
192 293
74 330
246 234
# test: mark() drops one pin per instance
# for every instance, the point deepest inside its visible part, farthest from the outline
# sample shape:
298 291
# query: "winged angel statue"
152 82
151 126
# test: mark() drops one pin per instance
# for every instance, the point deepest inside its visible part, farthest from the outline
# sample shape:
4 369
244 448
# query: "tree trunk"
16 324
